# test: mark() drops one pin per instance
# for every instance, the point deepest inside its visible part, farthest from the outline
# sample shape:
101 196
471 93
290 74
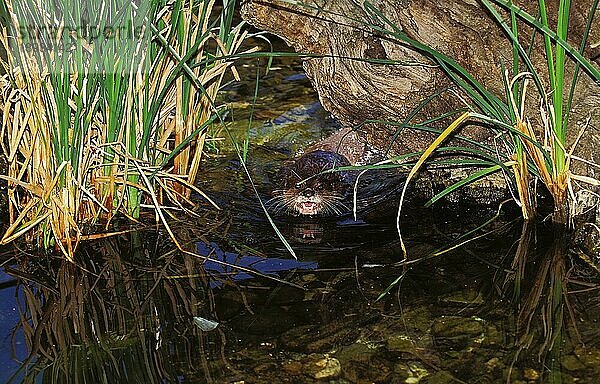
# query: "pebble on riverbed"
322 367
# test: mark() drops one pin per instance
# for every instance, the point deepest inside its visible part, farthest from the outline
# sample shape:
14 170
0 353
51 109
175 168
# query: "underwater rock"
468 297
452 327
587 239
322 367
531 374
401 344
441 377
362 363
572 363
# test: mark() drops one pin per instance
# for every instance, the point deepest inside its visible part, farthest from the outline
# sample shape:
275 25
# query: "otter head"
306 191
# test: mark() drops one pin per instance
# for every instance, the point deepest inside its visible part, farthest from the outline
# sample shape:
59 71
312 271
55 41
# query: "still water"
503 303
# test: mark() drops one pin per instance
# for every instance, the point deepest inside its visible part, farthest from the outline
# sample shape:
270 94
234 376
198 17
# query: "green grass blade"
547 44
251 117
514 38
578 57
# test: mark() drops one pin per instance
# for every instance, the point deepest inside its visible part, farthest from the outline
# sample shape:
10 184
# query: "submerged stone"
441 377
362 363
402 344
451 327
572 363
468 297
531 374
588 356
322 367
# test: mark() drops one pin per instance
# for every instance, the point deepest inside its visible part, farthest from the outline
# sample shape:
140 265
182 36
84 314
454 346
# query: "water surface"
507 303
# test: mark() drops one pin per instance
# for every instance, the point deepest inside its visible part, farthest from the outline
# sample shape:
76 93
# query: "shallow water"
510 304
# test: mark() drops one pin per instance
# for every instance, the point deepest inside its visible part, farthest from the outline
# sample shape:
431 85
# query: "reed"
531 152
551 159
106 108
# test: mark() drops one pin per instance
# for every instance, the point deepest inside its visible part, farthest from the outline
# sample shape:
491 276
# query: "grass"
102 124
533 153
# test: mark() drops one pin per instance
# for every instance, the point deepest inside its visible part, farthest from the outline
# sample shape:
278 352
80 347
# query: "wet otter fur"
308 192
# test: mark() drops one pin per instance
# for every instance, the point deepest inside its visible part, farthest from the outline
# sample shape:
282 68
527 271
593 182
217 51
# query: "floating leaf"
204 324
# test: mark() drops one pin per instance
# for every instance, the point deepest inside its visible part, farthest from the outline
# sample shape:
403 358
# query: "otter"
309 192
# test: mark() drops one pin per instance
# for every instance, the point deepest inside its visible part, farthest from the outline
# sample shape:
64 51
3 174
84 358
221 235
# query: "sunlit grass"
100 124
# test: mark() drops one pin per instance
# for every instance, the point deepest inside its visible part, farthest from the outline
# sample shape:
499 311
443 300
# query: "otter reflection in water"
308 192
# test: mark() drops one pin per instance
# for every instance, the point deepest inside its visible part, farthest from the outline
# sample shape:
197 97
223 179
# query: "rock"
531 374
362 363
493 336
401 344
450 327
572 363
493 363
441 377
265 368
355 352
317 339
587 239
469 297
589 356
322 367
358 90
293 367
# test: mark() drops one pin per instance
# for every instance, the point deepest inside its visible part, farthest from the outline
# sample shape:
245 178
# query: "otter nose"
308 192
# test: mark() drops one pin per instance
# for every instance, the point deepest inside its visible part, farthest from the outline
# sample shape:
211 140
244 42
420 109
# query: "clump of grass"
552 158
106 108
533 153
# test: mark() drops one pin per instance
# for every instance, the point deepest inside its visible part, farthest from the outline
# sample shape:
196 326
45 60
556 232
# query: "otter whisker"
289 203
276 203
331 206
333 209
280 203
274 198
284 205
336 205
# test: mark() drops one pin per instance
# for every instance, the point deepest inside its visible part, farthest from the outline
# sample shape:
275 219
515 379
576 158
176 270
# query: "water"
510 304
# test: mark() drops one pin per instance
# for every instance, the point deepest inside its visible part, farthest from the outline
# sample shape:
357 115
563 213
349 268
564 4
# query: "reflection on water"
490 311
9 317
220 264
118 317
540 284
